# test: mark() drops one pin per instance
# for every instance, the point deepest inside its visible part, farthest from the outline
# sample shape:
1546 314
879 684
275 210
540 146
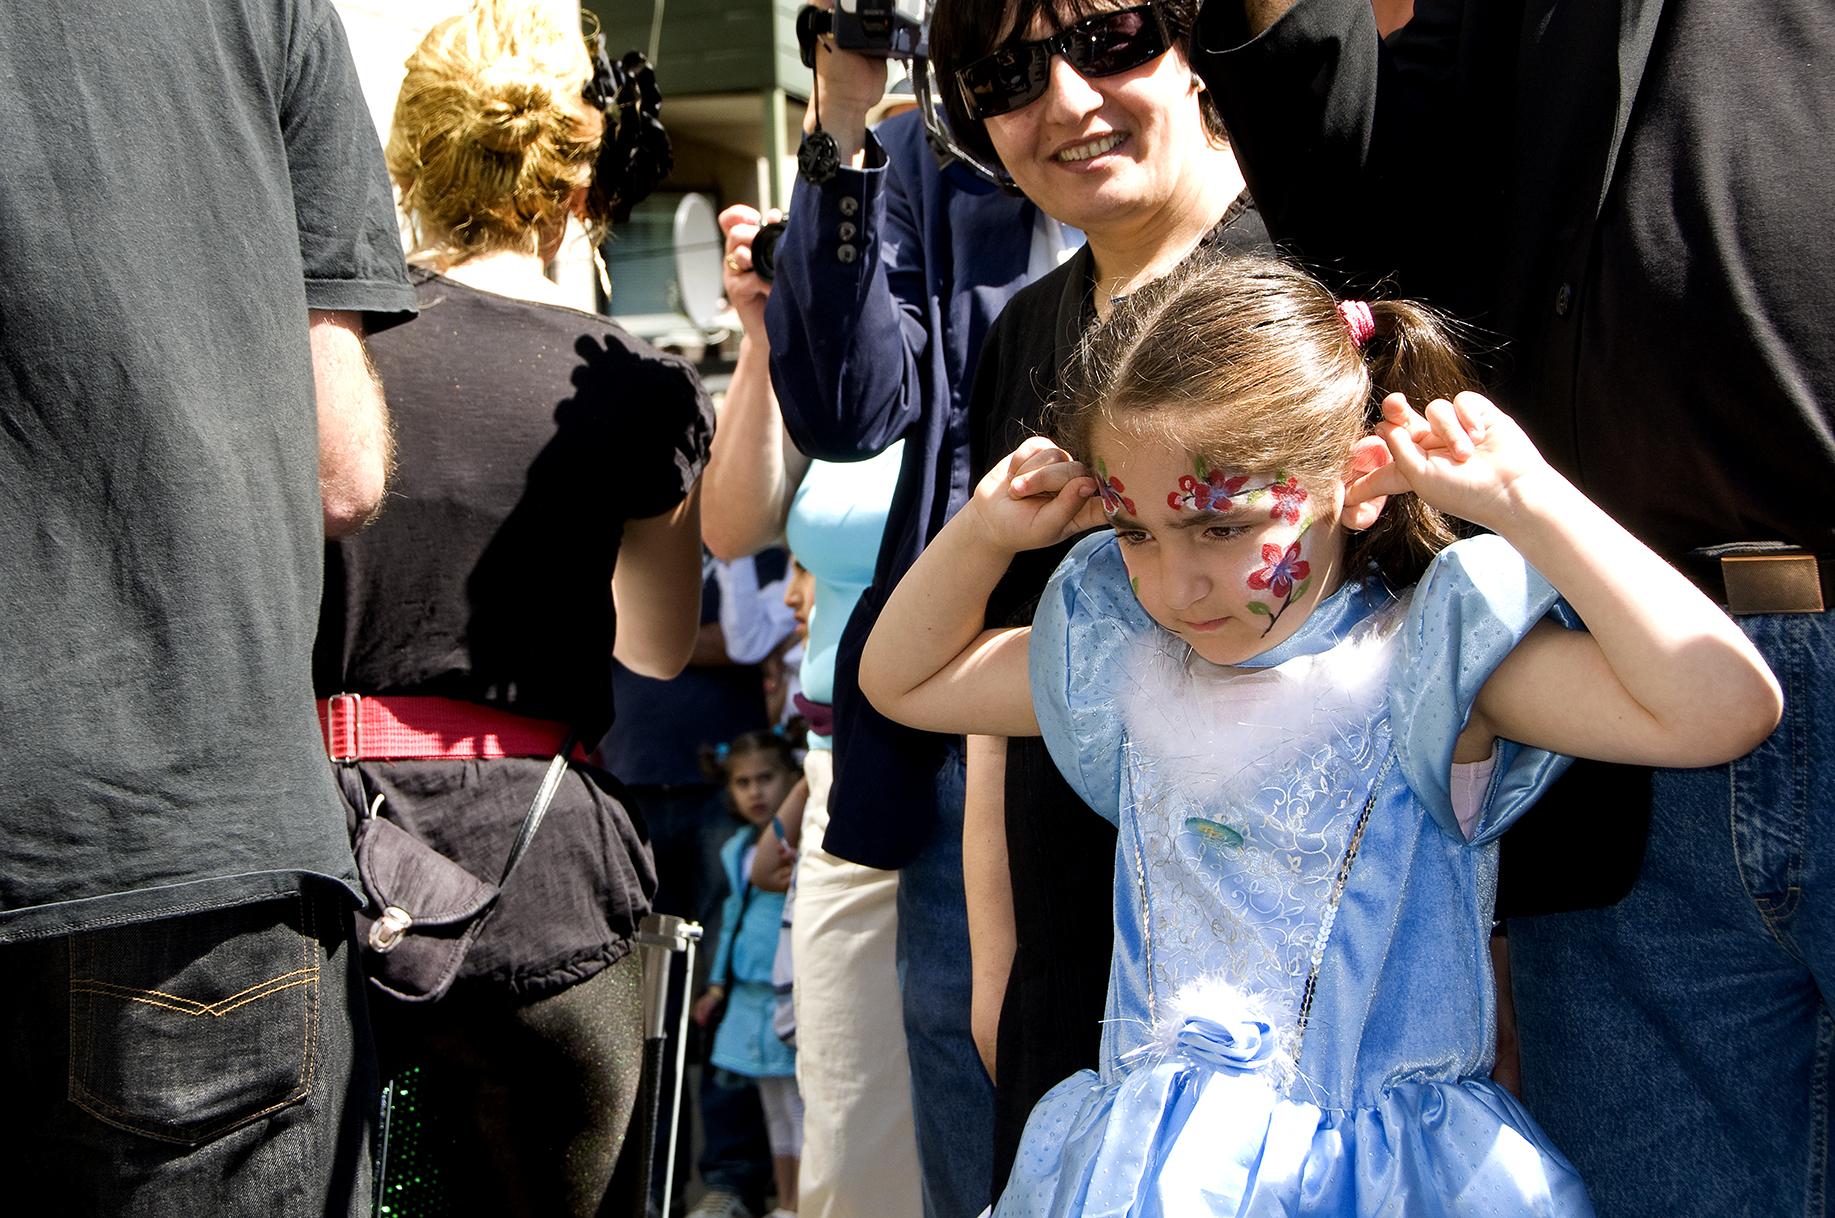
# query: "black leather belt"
1764 577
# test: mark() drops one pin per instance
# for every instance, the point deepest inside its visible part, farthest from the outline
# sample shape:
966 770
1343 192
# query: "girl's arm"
1661 677
753 470
989 888
775 859
928 663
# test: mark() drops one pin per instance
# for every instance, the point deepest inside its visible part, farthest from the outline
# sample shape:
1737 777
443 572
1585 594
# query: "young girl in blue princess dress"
1311 713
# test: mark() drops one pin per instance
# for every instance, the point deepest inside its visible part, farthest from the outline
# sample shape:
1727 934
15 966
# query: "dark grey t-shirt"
174 196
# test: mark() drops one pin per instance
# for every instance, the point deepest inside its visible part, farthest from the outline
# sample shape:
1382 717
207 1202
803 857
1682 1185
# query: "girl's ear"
1367 456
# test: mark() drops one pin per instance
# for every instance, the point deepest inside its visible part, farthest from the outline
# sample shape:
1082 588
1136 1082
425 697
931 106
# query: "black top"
1061 855
527 434
173 198
1710 291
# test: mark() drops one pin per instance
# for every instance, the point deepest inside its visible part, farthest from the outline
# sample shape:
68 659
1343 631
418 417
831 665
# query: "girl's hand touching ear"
1034 497
1463 456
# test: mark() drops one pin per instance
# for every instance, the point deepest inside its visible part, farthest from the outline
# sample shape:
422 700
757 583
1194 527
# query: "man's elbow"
352 499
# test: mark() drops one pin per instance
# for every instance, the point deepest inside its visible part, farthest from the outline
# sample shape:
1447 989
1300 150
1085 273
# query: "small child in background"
761 773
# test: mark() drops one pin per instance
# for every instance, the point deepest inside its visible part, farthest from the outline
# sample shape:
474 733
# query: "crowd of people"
1249 634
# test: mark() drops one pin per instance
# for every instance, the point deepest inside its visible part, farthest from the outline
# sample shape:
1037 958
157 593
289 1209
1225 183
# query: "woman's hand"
746 289
1464 456
1035 497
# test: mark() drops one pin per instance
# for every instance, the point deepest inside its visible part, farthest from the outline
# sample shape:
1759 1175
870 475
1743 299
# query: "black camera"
888 29
764 250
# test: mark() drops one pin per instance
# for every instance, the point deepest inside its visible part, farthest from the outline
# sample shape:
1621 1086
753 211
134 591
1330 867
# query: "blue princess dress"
1301 1016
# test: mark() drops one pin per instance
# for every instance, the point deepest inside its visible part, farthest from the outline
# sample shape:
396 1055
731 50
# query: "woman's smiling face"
1096 152
1229 561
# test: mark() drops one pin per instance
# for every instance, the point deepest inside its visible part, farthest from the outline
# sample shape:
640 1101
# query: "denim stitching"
101 1109
1768 915
1815 1189
188 1006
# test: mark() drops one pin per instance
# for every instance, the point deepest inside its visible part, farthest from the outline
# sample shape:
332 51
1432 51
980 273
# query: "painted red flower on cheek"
1282 571
1288 498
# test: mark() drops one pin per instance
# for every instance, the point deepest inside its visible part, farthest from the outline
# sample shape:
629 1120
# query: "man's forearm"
356 447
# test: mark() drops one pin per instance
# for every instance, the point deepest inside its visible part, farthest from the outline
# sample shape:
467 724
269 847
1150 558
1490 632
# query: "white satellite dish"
699 249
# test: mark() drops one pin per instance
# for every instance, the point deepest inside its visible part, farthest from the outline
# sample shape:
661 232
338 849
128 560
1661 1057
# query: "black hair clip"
634 155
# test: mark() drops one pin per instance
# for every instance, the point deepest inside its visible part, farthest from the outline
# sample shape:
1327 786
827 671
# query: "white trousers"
859 1143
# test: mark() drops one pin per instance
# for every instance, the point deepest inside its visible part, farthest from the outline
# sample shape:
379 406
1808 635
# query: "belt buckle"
351 706
1772 583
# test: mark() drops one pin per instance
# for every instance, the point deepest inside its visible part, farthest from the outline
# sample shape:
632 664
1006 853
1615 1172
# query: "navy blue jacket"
887 281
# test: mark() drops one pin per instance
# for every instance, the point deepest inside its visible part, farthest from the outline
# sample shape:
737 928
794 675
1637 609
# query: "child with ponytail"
1311 713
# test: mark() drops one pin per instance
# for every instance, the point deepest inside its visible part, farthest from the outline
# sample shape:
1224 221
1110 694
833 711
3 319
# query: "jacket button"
846 231
847 254
1563 299
849 205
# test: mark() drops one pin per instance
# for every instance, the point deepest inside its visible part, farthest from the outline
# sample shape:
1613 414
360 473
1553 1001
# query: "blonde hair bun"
492 139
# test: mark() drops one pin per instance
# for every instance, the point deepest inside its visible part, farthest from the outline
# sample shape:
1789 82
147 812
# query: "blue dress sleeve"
1474 604
1086 624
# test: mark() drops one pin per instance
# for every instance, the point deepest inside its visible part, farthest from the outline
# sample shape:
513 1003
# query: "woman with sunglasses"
1093 113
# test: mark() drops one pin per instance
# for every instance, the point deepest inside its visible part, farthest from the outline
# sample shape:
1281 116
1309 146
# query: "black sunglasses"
1101 45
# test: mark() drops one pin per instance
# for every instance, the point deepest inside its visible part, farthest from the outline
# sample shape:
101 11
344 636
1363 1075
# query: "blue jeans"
951 1098
1677 1045
211 1063
735 1151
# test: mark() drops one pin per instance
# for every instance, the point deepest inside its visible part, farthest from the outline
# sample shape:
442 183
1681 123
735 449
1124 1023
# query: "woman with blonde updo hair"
542 519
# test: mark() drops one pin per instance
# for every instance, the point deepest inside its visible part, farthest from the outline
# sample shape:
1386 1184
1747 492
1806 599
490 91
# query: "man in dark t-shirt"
195 231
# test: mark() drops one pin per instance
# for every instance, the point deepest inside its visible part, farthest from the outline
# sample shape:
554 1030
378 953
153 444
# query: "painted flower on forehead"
1211 490
1113 501
1289 496
1282 571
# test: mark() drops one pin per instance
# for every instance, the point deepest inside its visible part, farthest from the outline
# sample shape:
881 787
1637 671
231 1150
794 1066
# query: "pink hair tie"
1358 320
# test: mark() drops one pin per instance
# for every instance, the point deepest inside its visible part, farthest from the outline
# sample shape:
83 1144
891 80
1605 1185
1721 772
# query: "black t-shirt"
1704 402
526 435
174 196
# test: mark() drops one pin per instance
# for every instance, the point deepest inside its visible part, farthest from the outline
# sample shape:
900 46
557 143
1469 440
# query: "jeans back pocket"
185 1028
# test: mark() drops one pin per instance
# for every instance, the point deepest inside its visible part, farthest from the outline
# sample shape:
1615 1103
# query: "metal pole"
661 938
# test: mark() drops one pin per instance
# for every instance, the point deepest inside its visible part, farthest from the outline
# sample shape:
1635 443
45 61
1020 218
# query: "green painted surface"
711 46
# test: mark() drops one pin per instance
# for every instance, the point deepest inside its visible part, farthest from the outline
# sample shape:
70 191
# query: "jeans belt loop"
345 709
1789 582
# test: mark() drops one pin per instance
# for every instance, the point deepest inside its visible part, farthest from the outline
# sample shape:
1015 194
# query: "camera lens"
764 250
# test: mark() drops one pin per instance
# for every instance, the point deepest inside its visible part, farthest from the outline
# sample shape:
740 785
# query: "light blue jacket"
745 1043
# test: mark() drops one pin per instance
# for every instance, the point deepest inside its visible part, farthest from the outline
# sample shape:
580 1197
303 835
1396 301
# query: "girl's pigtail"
712 760
1409 349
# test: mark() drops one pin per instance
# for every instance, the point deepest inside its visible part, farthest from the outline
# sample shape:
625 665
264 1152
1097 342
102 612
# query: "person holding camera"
888 276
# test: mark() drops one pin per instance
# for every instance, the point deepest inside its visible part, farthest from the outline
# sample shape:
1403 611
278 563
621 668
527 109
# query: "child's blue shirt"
744 1042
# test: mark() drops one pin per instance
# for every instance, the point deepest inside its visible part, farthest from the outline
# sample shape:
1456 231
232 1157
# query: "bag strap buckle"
344 727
